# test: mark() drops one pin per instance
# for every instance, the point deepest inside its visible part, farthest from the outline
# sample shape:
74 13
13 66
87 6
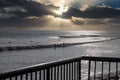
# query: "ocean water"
93 43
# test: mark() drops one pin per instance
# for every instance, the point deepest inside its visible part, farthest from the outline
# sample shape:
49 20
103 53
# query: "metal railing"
69 69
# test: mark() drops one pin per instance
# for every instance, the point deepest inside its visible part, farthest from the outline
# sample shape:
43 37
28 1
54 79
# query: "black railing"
90 68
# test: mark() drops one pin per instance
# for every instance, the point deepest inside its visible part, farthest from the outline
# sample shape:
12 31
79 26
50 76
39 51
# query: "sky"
60 14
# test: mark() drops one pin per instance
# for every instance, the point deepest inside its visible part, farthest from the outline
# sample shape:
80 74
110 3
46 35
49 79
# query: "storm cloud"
33 8
41 14
92 12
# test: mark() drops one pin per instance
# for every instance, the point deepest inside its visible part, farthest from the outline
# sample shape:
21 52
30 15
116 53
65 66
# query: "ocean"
77 43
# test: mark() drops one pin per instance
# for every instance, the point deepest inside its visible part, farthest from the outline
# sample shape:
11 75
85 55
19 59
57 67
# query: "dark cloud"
4 3
31 8
38 9
26 22
92 12
30 13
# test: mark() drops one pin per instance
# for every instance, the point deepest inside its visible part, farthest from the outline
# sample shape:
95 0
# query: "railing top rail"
54 64
105 59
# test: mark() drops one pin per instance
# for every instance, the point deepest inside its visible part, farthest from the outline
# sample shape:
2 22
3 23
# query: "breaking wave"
56 45
82 36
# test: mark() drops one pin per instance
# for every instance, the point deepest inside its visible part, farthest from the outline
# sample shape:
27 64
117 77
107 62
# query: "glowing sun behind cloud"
61 10
62 7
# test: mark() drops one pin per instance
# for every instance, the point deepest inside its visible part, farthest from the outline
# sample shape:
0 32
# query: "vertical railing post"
21 77
95 70
64 72
35 75
72 71
0 78
44 75
117 70
102 70
26 77
48 74
40 75
10 78
80 70
58 75
31 76
89 67
61 68
109 70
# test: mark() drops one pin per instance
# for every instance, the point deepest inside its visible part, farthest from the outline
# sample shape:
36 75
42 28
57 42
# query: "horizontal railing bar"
104 59
54 64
